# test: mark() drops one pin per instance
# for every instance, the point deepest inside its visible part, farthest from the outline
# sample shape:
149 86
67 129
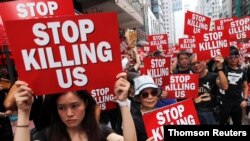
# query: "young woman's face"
71 109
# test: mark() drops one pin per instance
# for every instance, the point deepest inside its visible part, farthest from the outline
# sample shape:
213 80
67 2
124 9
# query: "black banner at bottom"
175 132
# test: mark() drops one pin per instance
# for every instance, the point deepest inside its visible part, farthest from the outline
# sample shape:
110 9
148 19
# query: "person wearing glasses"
209 84
147 94
232 99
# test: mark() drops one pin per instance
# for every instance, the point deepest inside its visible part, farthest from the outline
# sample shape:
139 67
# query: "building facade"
168 16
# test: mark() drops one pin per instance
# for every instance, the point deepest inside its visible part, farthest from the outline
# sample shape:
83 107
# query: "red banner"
183 86
26 9
219 24
239 29
212 44
158 69
187 44
196 23
68 53
181 113
158 42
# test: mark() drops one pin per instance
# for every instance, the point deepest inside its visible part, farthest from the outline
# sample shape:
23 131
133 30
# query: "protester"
73 116
232 100
183 66
40 111
5 126
208 88
147 93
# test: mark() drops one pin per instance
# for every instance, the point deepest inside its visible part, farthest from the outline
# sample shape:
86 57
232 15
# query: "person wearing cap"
232 99
209 84
147 93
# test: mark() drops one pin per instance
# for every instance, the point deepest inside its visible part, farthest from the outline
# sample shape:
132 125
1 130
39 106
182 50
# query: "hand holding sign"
23 96
219 62
121 87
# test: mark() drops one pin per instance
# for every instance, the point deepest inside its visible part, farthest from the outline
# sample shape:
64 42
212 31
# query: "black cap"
234 51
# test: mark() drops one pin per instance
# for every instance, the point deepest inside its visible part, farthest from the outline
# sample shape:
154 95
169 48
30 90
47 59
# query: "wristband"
123 103
245 99
25 126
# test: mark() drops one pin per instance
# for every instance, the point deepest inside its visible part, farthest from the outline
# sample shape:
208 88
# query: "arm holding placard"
222 81
121 90
24 99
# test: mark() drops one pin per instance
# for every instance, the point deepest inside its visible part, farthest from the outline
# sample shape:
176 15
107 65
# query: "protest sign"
67 53
181 113
187 44
212 44
158 42
196 23
220 23
183 86
26 9
239 29
158 69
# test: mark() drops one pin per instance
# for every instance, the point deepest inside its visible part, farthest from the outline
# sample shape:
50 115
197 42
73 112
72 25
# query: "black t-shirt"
208 85
40 112
139 125
188 71
235 82
43 135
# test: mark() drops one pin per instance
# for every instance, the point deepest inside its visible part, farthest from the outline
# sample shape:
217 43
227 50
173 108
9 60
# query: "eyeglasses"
194 63
154 92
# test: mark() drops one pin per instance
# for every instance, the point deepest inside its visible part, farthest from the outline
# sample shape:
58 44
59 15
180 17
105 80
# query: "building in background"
130 14
227 9
168 15
156 6
240 8
210 8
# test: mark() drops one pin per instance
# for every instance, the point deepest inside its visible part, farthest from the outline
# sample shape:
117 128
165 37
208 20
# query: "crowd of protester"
74 115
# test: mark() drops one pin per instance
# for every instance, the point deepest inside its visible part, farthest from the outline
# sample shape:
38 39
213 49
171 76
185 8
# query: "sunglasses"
154 92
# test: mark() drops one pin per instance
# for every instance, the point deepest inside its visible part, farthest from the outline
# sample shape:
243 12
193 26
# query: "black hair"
183 52
234 51
58 130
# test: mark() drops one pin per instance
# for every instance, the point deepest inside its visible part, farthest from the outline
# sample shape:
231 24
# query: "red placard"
219 24
67 53
26 9
244 49
239 29
1 32
158 42
181 113
158 69
183 86
187 44
212 44
196 23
